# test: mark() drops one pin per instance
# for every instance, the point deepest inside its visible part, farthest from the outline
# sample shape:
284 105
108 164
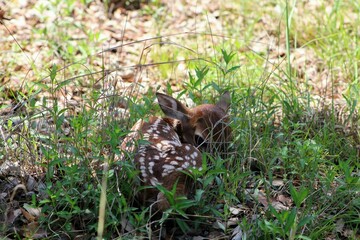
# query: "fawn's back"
172 144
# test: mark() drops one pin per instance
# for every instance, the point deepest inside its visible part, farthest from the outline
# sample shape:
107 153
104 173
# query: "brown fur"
172 145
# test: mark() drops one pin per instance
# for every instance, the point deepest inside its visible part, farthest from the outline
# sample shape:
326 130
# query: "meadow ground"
76 75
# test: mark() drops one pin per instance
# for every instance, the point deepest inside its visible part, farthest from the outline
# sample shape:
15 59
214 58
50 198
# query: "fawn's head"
205 126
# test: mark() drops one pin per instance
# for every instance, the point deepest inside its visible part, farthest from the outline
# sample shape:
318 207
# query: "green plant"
287 64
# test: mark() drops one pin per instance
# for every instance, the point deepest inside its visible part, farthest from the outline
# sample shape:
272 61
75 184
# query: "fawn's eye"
199 141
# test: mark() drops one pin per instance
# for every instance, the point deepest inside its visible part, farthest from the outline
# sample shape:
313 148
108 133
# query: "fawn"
173 144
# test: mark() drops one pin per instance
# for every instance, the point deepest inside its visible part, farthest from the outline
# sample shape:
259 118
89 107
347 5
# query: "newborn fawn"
173 144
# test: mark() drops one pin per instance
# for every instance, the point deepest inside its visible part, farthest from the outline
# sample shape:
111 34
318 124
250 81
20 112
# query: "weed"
286 125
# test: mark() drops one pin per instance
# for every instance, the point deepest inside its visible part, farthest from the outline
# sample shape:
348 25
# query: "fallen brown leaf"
31 210
279 206
12 215
284 200
27 215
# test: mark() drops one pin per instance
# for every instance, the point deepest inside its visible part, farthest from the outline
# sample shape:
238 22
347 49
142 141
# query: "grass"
294 171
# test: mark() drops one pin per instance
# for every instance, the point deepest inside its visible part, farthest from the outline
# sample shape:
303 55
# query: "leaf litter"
125 40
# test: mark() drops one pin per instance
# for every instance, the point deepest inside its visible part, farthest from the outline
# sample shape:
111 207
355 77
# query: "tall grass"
293 169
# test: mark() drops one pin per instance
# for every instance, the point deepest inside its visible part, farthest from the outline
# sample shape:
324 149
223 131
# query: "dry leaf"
232 221
237 234
33 211
340 225
279 206
27 215
262 199
234 211
278 182
12 215
285 200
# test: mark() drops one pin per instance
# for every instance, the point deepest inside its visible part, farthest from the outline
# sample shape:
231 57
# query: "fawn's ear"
172 107
224 102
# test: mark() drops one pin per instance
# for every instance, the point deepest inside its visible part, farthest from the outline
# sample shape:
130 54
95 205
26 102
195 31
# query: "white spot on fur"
154 181
185 165
194 155
151 165
174 163
171 143
163 155
168 167
146 136
157 122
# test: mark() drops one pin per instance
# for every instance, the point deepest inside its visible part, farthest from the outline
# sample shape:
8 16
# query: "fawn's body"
173 143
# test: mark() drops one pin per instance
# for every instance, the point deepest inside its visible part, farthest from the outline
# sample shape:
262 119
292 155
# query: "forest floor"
70 69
